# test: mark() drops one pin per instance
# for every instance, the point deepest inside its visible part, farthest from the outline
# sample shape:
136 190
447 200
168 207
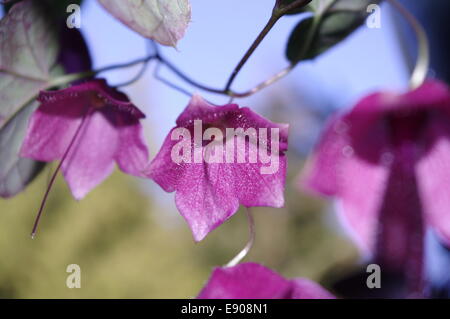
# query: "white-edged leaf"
164 21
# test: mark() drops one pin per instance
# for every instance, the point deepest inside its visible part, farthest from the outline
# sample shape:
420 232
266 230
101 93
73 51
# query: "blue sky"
220 33
218 36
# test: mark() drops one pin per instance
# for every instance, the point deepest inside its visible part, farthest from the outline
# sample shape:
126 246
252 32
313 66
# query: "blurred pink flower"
210 181
89 126
388 161
253 281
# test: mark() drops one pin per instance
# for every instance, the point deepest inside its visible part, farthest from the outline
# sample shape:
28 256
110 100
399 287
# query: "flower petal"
205 192
98 123
52 127
431 95
245 281
132 153
361 191
208 193
74 54
337 169
91 158
308 289
401 228
253 281
322 169
433 173
199 109
206 197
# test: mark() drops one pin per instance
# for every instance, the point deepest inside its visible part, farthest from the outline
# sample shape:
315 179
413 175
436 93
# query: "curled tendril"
251 239
420 71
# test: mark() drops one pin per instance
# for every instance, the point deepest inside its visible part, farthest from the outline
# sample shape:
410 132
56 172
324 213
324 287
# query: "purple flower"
388 161
89 126
253 281
74 54
218 157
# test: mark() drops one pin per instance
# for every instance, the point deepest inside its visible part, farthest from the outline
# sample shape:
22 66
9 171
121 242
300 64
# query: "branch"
277 12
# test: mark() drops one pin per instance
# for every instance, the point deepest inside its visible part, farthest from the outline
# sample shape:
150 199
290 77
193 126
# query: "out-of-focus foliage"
125 251
280 4
16 172
110 235
331 23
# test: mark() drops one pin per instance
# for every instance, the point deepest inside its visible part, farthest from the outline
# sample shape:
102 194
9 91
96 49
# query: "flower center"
407 127
98 101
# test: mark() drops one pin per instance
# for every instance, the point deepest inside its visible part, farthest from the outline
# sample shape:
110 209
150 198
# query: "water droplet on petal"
341 127
348 151
387 158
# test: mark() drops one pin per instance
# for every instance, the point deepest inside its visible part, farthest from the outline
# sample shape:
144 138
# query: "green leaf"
283 3
297 49
320 6
16 172
29 46
332 22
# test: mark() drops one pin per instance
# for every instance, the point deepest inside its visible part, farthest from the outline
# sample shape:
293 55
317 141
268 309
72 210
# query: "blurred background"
127 235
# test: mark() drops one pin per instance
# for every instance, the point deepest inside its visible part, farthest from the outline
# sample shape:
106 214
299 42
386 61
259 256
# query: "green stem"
68 78
264 84
272 21
187 79
277 13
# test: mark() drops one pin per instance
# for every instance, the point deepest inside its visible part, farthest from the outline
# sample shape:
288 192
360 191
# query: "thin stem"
187 79
230 93
145 63
53 178
264 84
168 83
127 64
251 228
277 13
273 19
135 78
68 78
294 5
423 57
